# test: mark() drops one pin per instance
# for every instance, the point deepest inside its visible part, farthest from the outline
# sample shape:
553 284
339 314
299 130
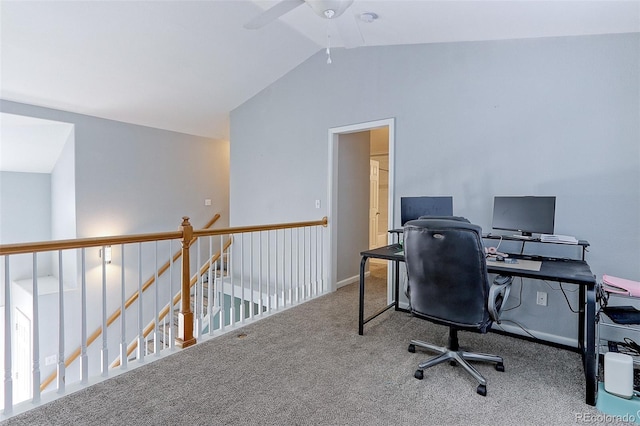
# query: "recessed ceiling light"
368 17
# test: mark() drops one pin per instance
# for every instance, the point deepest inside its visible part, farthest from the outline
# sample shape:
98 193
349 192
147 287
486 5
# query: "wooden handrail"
21 248
117 313
165 311
244 229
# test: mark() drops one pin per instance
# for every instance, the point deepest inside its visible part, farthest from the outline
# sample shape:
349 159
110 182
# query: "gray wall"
25 216
63 208
548 116
353 202
25 203
135 179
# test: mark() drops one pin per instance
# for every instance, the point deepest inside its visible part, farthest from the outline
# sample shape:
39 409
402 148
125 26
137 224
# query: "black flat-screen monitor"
413 207
527 215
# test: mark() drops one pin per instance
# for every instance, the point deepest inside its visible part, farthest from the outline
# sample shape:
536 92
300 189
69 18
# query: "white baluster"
322 271
261 298
170 313
104 354
318 260
196 294
36 334
61 367
308 259
299 269
156 302
123 322
268 271
284 288
251 275
84 361
8 329
210 283
242 278
232 305
221 289
291 266
141 342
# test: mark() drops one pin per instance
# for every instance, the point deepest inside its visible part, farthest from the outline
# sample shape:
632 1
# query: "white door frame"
332 191
374 203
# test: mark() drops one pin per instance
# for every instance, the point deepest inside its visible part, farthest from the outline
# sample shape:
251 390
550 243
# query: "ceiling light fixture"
368 17
329 13
329 9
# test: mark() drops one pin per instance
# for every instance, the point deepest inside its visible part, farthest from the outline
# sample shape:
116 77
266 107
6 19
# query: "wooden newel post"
185 317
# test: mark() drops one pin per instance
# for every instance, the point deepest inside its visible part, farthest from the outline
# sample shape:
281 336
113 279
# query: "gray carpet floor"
308 366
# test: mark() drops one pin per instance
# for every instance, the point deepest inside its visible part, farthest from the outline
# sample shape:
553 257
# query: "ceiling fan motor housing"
329 9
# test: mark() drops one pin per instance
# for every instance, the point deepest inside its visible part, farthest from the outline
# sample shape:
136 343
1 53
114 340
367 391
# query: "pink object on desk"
621 286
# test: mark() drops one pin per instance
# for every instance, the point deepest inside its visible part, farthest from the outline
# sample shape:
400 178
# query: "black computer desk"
559 270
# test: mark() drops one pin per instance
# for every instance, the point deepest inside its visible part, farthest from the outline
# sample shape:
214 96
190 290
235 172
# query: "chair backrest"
447 270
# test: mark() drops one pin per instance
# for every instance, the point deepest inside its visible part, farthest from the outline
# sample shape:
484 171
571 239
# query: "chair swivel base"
456 357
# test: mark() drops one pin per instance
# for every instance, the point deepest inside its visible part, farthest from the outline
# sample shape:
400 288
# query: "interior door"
374 202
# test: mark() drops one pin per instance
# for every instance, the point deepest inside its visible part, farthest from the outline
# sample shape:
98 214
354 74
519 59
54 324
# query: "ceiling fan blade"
349 31
273 13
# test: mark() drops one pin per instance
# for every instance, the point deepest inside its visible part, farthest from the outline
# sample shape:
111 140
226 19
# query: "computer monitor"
413 207
526 215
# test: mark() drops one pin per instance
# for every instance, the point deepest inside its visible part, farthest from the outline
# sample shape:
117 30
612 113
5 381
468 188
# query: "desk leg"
582 326
589 352
397 285
363 262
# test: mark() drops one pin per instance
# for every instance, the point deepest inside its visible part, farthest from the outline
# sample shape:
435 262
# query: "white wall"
548 116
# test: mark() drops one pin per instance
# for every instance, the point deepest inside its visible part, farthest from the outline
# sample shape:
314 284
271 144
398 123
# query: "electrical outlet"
541 298
50 360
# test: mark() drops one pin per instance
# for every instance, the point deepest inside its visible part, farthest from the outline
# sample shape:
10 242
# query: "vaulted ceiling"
184 65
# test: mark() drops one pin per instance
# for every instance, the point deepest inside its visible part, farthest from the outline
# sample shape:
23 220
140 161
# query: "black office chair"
449 285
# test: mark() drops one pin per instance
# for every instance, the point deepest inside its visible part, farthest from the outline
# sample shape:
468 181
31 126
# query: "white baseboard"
350 280
512 328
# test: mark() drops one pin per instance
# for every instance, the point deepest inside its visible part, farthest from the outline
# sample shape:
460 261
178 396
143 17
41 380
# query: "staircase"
166 329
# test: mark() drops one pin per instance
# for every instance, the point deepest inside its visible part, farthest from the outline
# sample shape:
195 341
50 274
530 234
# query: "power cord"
519 298
629 347
567 299
563 290
519 325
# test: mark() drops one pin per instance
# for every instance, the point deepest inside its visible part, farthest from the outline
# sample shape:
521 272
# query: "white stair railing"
267 268
265 271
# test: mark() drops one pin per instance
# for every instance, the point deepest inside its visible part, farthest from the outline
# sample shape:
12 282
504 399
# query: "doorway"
336 181
378 188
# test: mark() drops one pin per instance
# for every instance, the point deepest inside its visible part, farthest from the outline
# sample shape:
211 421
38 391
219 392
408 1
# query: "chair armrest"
498 295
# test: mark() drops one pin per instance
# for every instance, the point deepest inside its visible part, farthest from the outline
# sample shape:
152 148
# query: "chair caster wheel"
500 367
412 348
419 374
482 390
453 363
